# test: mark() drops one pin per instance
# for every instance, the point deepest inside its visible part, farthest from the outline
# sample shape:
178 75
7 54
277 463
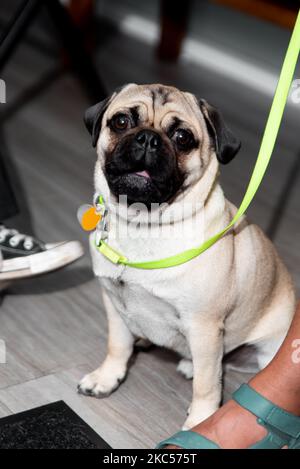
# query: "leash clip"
102 225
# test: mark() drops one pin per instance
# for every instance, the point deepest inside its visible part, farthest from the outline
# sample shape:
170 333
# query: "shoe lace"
15 237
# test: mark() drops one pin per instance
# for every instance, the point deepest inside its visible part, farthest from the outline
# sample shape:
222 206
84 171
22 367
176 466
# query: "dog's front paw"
101 382
199 411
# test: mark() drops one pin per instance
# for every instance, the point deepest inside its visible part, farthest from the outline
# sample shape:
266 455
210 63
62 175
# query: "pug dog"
160 148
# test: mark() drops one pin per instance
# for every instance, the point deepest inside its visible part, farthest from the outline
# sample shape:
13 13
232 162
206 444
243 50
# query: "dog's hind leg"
267 349
271 330
185 368
107 378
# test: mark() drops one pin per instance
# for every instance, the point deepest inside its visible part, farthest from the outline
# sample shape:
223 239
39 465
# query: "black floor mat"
53 426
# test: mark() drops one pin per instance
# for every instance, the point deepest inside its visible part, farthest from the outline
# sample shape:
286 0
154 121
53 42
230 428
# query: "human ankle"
280 390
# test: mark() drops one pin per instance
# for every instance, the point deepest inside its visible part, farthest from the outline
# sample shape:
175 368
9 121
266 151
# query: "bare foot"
233 427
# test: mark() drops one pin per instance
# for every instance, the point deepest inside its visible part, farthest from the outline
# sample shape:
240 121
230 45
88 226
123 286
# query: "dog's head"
155 141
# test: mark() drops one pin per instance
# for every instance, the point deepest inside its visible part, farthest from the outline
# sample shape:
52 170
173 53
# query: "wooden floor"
54 326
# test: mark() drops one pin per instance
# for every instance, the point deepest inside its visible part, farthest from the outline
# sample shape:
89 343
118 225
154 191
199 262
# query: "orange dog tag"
88 217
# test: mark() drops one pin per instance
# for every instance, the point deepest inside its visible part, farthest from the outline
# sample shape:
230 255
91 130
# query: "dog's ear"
93 115
226 144
93 119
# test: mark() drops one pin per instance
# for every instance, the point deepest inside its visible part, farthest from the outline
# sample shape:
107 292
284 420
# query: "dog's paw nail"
143 345
93 392
83 391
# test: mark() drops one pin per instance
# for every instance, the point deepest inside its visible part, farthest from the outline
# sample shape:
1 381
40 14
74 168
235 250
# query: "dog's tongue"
144 174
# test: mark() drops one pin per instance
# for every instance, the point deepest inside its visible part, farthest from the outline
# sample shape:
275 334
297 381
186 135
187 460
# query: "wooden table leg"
174 20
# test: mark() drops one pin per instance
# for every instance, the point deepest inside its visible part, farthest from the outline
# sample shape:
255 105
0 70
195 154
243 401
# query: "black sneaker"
25 256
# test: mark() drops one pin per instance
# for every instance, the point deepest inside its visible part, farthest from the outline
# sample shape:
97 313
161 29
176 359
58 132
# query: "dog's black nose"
148 139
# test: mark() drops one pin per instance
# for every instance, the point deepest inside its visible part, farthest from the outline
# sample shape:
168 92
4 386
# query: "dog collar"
263 159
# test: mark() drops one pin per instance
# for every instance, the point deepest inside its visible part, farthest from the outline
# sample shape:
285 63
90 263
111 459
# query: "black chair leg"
71 37
16 28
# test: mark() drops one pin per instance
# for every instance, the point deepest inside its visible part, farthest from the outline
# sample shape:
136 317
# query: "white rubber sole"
55 257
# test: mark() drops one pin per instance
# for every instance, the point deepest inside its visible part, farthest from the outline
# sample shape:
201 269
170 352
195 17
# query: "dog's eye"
183 138
120 122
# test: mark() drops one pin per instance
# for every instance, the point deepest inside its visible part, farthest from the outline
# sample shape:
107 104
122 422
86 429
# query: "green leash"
264 156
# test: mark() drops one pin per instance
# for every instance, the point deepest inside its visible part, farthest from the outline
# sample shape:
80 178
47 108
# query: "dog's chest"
146 315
